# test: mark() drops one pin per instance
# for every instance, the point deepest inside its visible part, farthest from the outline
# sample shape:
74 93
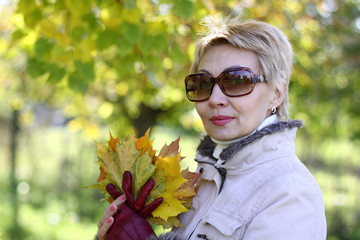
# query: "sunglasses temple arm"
260 78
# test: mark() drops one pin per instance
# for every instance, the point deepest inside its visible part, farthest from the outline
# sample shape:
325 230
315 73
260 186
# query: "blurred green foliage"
72 70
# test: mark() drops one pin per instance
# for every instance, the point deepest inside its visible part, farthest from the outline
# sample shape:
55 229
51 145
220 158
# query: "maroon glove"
129 221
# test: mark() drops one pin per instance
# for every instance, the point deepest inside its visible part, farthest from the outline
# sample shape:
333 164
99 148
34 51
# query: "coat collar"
206 148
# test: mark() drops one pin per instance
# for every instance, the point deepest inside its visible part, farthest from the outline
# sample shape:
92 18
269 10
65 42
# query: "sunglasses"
234 82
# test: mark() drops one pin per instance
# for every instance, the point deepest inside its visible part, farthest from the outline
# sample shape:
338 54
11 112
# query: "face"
226 118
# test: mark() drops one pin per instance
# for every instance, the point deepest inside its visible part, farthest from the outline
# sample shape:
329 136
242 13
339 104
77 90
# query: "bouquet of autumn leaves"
137 156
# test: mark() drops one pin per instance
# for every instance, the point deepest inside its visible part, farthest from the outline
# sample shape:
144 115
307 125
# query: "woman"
252 184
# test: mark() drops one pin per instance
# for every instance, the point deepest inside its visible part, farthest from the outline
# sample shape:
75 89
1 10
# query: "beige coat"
267 193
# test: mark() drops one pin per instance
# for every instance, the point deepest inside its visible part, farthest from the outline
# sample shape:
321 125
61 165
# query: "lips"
221 120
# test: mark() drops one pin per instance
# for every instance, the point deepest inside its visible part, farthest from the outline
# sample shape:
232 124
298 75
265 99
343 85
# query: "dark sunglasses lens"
237 82
198 87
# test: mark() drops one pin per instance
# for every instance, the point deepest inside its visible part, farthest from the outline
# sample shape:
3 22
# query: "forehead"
218 58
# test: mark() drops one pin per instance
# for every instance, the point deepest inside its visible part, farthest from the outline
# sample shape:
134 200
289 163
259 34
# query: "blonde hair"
271 46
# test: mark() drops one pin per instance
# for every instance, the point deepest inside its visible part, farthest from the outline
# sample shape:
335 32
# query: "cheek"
242 106
250 109
199 109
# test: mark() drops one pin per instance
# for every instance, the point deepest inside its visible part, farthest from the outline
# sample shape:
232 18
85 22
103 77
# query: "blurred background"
71 71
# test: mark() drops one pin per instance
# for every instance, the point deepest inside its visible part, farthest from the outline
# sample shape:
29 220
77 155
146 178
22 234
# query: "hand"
107 218
129 221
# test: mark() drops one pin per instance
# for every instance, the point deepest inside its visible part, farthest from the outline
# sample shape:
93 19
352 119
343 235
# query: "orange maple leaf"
171 150
188 188
113 143
102 175
144 144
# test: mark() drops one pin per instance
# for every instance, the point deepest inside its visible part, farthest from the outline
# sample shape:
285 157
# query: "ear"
279 95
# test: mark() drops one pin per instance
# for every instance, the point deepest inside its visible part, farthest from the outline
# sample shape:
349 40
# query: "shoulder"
295 194
295 180
291 201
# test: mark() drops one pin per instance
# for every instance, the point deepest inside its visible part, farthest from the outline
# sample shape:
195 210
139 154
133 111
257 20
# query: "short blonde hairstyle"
271 46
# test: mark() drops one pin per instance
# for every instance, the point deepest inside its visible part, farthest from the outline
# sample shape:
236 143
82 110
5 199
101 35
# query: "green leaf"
183 8
159 185
33 18
77 84
153 44
106 39
85 70
42 47
131 32
80 79
60 5
56 73
143 170
91 21
35 68
78 33
16 36
26 6
125 47
61 54
78 7
124 65
178 54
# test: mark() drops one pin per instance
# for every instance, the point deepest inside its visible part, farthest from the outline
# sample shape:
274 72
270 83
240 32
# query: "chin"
222 137
225 136
223 133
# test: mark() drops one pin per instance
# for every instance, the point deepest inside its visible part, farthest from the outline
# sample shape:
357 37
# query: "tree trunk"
14 130
146 119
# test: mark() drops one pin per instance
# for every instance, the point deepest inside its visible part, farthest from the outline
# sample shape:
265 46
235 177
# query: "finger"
120 200
105 227
145 190
111 210
151 207
111 189
127 187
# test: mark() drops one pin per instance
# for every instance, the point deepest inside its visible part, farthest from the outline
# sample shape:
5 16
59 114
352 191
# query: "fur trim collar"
207 146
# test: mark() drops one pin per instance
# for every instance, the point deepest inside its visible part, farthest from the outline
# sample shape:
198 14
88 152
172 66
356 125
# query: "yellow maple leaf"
121 156
169 208
108 162
171 222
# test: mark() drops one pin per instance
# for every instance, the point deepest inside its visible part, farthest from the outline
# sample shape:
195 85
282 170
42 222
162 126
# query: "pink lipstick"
221 120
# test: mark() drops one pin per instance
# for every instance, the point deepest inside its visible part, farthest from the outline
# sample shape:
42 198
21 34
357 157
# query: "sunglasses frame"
255 78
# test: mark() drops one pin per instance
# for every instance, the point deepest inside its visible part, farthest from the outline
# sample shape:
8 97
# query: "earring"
273 110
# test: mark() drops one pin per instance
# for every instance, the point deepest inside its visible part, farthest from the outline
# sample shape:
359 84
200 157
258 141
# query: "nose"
217 97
